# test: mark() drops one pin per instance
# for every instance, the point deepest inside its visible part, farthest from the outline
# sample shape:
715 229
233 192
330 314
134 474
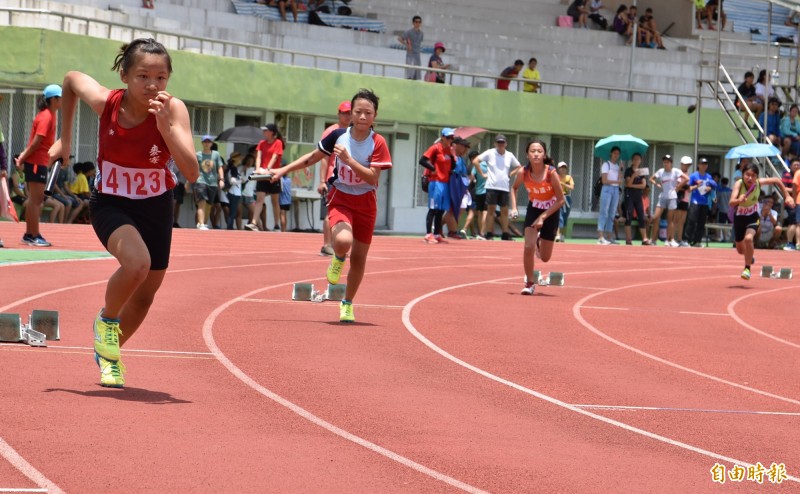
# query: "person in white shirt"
668 179
769 230
609 198
501 164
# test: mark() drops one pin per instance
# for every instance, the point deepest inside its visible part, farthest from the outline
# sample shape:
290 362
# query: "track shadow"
350 324
740 287
126 394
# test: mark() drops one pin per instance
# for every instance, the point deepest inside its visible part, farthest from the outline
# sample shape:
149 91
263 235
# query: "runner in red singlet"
142 129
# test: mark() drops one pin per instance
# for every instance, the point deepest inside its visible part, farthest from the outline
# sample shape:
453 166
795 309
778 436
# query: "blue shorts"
439 195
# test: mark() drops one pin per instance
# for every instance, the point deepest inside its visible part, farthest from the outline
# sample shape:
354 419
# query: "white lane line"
208 336
679 409
725 314
7 452
598 307
13 489
732 313
425 341
326 303
134 350
576 312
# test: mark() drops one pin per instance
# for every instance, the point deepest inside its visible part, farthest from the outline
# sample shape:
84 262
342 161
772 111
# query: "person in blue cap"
438 162
36 160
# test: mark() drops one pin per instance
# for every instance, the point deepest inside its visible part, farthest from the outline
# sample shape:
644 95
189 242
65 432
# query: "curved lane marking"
555 401
28 470
208 336
732 313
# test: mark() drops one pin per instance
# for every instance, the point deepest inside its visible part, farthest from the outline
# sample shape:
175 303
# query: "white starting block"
781 274
554 278
42 325
306 292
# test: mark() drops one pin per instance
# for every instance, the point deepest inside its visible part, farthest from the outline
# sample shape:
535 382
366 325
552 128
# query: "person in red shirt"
361 156
142 128
36 161
438 161
509 73
545 199
268 158
325 174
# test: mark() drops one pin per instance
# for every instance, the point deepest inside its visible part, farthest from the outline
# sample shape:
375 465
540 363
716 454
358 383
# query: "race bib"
133 183
543 204
746 211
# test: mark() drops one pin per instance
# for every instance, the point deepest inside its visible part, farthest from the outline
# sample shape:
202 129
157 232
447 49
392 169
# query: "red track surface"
647 369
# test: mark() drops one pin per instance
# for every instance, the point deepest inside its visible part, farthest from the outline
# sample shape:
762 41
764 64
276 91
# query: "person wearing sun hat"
36 161
500 163
436 62
438 161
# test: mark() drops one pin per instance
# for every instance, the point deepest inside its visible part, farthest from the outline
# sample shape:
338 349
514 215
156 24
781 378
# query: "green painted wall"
35 58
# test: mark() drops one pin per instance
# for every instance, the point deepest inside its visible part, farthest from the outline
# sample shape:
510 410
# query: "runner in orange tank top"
545 199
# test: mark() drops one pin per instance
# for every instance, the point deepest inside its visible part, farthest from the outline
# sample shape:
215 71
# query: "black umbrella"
246 134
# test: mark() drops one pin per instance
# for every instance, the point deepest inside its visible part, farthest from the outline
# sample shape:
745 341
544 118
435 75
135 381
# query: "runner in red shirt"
325 174
36 161
361 155
142 129
268 158
545 199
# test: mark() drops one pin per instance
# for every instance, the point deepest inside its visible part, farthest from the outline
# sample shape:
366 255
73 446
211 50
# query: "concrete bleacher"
480 38
752 19
250 7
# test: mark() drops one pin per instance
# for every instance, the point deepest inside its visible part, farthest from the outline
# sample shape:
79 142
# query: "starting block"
305 292
766 271
554 278
42 325
302 291
781 274
335 292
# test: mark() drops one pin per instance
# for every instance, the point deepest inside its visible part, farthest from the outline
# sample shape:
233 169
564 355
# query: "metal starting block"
554 278
766 271
302 291
42 325
783 274
335 292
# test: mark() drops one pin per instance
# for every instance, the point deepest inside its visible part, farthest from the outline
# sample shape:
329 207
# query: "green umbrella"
628 146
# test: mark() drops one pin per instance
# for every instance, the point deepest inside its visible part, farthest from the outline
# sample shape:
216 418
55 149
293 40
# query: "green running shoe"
106 337
346 313
335 269
111 373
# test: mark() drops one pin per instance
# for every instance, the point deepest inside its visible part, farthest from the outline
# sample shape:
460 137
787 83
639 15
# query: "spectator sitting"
773 126
622 23
793 19
747 90
647 24
699 12
761 88
769 231
282 8
509 73
148 4
72 204
790 130
436 62
531 73
579 13
711 13
596 16
80 186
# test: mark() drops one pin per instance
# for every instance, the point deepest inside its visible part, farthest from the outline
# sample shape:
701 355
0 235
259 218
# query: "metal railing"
248 51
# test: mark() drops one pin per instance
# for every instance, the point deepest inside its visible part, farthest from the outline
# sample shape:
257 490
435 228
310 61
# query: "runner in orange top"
545 199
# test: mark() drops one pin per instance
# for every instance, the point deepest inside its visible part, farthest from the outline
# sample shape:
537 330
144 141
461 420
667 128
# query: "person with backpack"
438 162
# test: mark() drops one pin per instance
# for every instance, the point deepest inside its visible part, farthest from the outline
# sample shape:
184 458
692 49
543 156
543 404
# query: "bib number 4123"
133 183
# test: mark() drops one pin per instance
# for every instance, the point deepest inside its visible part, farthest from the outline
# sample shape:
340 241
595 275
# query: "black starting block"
306 292
553 279
43 325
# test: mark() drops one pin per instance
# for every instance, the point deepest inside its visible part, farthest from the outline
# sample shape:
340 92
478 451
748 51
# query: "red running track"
649 368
